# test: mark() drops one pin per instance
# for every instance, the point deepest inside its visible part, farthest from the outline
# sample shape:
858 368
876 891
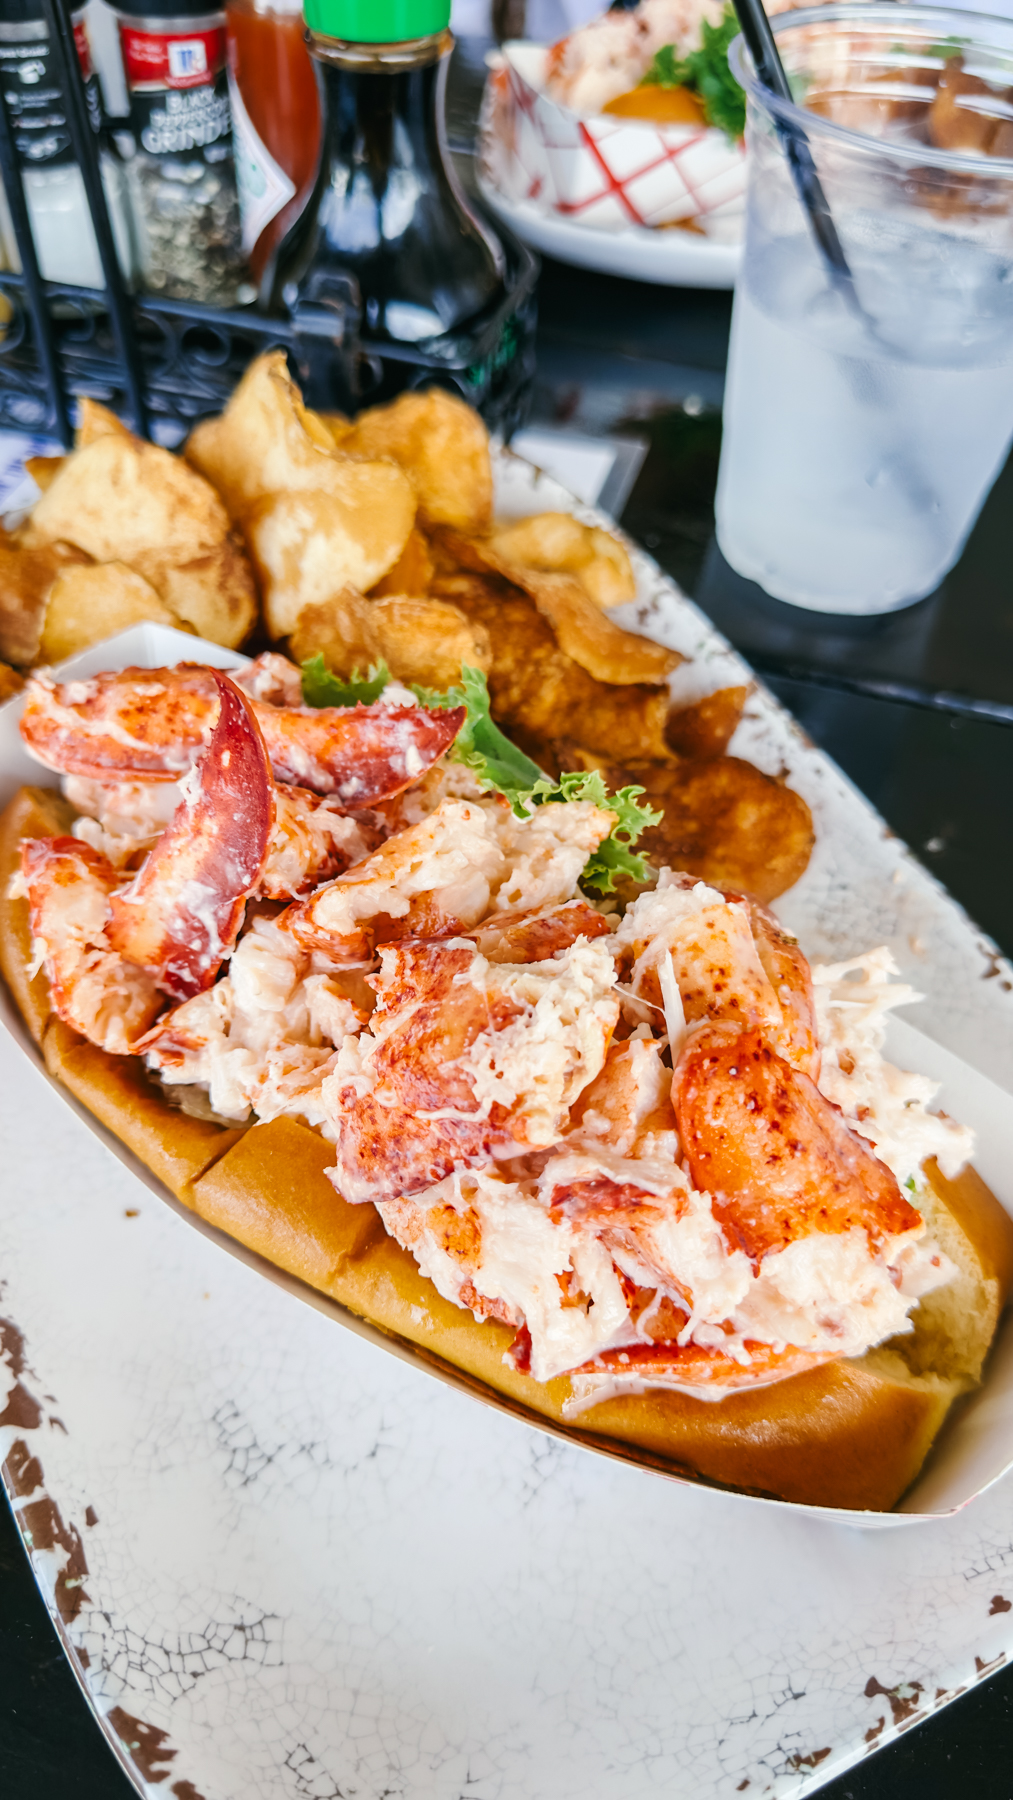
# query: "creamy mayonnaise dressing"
884 1104
261 1040
121 818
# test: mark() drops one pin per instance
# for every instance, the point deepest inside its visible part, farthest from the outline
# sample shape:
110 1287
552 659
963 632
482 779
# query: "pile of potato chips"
123 532
373 540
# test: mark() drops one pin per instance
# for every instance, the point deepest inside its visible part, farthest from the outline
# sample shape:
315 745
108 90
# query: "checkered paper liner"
605 172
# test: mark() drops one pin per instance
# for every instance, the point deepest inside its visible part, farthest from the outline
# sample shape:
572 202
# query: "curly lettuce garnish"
500 767
497 764
320 687
615 856
706 73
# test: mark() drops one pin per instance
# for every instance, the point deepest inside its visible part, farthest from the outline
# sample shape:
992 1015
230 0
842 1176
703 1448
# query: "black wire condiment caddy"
162 364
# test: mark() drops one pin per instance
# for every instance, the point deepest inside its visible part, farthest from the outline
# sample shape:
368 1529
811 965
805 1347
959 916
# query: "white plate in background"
668 258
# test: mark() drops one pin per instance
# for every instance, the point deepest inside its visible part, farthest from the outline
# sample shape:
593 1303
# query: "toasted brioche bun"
33 812
850 1434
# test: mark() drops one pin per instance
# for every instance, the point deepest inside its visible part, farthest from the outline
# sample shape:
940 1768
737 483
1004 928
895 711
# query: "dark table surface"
910 706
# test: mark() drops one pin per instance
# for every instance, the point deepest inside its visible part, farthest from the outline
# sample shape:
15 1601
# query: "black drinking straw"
770 72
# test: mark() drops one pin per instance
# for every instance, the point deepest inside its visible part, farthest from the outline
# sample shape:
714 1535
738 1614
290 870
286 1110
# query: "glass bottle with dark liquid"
437 287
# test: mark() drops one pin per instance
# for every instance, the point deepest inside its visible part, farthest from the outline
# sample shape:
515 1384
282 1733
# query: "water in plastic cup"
860 443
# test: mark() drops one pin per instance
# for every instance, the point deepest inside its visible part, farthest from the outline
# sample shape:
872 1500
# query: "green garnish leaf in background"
322 688
499 766
667 70
706 72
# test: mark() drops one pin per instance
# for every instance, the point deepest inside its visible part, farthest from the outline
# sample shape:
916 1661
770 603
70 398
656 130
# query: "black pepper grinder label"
179 93
181 169
32 94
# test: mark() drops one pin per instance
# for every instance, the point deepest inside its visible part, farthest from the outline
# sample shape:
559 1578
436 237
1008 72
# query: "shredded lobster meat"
650 1144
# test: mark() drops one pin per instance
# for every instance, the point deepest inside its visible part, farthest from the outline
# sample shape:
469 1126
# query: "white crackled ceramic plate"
287 1567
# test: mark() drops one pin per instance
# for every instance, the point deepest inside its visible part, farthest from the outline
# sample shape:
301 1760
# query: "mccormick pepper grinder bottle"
387 207
178 147
275 120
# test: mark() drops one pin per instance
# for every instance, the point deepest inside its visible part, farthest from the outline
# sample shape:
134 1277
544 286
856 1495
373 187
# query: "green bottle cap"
376 21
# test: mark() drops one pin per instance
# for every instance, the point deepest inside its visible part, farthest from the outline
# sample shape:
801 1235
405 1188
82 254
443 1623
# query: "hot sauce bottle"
275 120
388 206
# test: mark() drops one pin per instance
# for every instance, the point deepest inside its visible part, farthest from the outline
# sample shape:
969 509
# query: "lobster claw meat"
152 725
125 724
180 916
775 1154
93 989
362 754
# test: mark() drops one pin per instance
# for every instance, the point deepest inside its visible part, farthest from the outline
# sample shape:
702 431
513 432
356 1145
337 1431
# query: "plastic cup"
860 442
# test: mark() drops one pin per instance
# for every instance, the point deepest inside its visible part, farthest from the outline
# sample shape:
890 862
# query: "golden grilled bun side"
954 1327
849 1434
122 1096
33 812
270 1191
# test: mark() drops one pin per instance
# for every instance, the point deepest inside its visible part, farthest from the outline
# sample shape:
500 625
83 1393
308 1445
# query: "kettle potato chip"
44 469
213 593
539 693
95 421
265 442
309 544
122 501
341 629
91 601
26 581
581 628
413 572
558 544
706 728
585 633
11 682
725 821
442 445
118 497
421 640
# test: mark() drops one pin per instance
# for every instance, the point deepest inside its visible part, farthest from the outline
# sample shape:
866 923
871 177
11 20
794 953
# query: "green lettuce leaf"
500 767
322 688
667 70
496 763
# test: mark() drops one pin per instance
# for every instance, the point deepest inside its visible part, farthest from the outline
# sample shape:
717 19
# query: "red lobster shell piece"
151 725
776 1157
180 915
93 989
694 1366
148 724
362 754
